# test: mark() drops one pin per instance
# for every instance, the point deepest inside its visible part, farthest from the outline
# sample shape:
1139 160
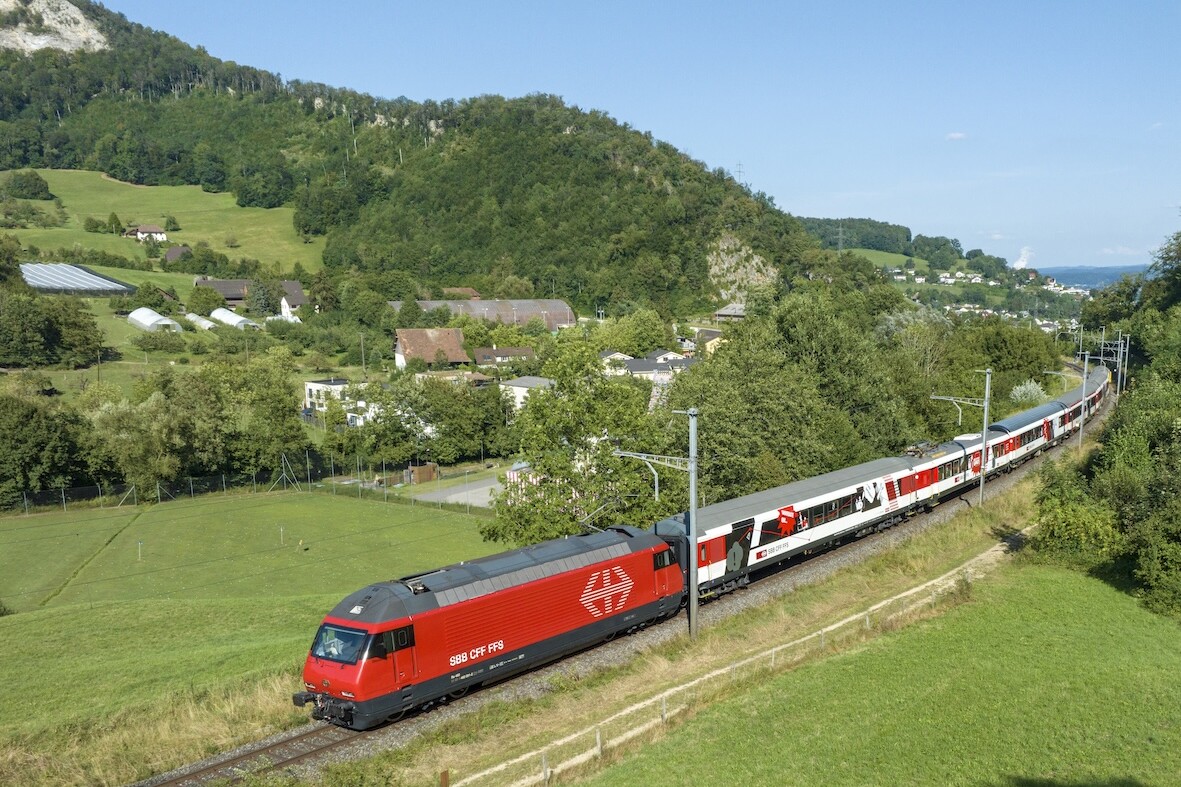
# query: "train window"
404 637
662 559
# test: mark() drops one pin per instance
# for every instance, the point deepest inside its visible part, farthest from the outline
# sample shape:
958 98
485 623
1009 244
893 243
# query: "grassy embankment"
1039 674
127 658
1045 676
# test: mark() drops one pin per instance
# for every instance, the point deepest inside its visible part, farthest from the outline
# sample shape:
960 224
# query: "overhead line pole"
682 463
957 401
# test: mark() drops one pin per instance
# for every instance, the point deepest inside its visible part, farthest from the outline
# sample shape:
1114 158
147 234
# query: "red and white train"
398 645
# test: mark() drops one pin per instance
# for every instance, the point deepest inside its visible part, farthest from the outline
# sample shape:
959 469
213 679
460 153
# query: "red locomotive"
402 644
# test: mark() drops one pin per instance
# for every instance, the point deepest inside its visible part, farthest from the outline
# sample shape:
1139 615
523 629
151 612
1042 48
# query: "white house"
145 231
520 388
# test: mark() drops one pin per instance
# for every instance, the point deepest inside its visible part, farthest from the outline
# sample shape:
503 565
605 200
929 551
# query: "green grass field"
266 235
130 620
1044 677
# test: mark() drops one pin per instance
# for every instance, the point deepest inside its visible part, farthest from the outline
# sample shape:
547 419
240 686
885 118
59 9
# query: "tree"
114 226
26 184
205 299
568 434
42 448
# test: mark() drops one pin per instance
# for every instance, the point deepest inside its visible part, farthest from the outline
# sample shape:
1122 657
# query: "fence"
645 718
359 479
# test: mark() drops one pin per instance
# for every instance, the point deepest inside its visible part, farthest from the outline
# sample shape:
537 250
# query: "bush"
26 184
160 341
6 610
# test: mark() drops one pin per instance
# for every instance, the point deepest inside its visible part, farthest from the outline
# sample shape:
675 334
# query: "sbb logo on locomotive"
606 591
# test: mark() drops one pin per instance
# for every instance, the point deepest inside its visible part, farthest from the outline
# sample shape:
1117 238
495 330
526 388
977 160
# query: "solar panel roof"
59 277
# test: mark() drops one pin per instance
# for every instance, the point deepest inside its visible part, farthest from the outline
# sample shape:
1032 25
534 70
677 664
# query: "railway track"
311 747
278 755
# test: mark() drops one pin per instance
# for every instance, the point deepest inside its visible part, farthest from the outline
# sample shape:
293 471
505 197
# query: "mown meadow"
1044 676
264 234
146 637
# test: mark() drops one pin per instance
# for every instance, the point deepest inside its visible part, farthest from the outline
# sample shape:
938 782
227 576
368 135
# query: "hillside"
515 197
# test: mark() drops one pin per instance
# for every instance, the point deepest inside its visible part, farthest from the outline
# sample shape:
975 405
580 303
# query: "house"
318 392
148 320
293 298
494 356
664 356
176 253
519 388
236 291
429 345
145 231
730 312
708 341
612 362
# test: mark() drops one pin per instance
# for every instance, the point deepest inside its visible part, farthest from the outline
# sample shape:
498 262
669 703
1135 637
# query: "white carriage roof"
747 506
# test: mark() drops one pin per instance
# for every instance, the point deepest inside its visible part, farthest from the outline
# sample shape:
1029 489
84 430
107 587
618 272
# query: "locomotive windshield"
338 643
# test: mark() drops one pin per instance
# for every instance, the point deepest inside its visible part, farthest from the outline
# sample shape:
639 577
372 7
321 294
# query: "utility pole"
1083 413
957 401
681 463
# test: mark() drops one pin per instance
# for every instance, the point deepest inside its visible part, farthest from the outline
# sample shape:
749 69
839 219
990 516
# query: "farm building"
236 291
203 323
227 317
429 345
148 320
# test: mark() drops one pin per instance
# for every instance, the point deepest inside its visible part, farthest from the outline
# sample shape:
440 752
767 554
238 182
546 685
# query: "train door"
711 559
975 462
405 657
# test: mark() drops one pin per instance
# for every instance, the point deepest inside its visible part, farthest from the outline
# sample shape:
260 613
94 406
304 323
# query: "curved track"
310 746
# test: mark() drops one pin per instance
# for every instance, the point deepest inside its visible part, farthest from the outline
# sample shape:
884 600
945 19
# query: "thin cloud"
1119 251
1156 126
956 136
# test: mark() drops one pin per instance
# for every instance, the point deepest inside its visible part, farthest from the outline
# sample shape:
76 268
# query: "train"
403 644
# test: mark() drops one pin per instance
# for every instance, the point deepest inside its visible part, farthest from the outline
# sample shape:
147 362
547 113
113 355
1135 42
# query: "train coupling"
326 707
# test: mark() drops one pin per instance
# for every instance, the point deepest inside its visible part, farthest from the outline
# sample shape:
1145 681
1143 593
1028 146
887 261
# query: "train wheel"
459 693
396 716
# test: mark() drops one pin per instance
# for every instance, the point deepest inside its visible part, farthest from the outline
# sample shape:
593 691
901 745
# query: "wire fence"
643 720
360 479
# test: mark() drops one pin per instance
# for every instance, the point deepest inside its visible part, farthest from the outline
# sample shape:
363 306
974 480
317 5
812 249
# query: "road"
475 493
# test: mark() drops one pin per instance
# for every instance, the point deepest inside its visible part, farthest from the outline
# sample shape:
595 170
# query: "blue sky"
1048 130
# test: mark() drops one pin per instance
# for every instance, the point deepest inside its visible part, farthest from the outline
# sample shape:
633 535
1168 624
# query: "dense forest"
512 196
1120 515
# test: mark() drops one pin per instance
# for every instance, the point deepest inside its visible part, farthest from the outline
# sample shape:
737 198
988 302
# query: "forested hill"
512 196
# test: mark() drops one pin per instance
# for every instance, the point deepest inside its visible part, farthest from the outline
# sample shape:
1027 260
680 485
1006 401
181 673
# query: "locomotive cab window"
337 643
662 559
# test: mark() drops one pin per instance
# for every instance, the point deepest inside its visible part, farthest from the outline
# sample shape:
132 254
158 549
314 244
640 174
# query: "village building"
430 345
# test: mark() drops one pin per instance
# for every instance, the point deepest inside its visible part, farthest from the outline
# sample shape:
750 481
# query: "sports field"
140 631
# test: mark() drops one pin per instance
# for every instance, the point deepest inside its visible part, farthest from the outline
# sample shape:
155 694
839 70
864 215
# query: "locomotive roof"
461 581
747 506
